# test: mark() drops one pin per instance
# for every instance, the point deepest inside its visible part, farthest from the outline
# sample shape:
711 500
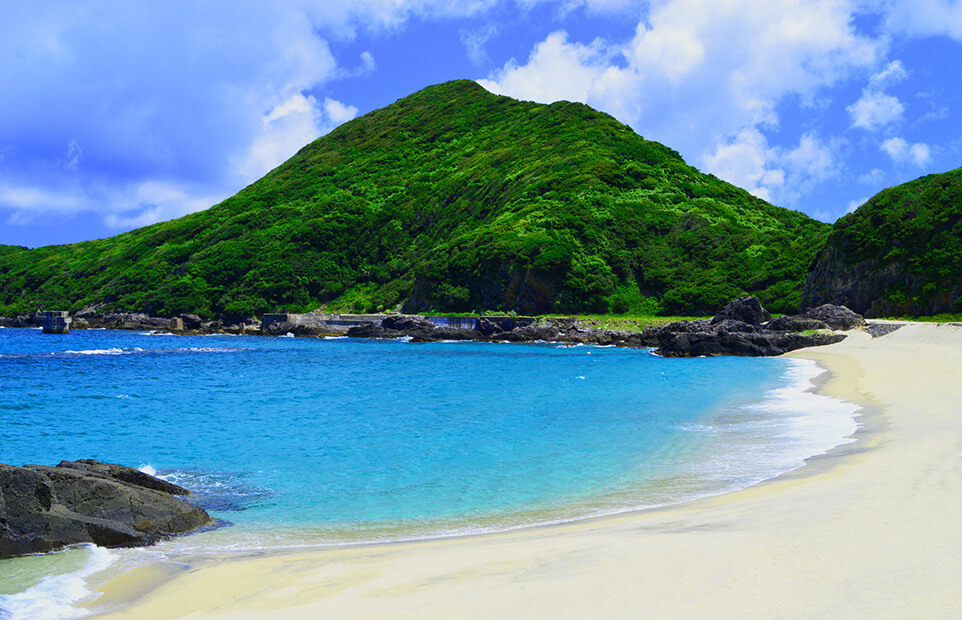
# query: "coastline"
868 529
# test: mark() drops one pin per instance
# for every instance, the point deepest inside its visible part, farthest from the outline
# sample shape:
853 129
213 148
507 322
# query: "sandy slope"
874 530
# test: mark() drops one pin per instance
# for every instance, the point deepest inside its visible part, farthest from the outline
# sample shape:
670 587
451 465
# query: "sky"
116 115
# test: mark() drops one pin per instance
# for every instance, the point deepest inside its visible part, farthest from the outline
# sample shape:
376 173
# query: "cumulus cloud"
925 17
128 95
855 204
771 173
556 70
875 110
902 152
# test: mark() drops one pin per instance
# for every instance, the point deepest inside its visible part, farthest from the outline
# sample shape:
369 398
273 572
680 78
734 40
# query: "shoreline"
870 531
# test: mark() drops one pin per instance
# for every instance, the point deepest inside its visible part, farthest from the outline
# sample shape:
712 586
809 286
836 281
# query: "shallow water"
306 441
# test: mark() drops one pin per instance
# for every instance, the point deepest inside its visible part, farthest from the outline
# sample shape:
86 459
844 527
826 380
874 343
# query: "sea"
306 442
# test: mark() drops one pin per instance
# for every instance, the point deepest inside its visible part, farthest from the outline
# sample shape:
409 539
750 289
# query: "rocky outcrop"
45 508
745 309
697 338
751 334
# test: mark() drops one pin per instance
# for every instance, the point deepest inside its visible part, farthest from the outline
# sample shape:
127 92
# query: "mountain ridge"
450 199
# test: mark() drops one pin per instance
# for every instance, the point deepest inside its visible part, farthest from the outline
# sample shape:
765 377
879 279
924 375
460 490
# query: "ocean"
294 442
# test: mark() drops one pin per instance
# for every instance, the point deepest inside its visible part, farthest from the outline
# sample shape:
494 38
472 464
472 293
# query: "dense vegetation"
898 254
450 199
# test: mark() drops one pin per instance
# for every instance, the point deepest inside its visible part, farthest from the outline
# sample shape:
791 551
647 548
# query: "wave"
116 351
54 596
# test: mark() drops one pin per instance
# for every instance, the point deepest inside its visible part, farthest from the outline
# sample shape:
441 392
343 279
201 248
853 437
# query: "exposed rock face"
44 508
836 317
899 254
746 309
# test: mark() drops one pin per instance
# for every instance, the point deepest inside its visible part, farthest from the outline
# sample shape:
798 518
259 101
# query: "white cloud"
875 177
337 113
152 202
288 127
367 59
925 17
893 73
474 41
744 160
855 204
74 153
26 200
555 70
901 152
875 110
770 173
200 97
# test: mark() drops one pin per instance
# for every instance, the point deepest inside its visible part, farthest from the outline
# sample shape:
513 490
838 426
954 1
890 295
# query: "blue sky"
115 115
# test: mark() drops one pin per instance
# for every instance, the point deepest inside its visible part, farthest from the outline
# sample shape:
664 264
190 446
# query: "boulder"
191 321
836 317
45 508
745 309
796 323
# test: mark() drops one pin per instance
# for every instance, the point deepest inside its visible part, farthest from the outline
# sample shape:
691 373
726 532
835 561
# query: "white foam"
148 469
54 597
112 351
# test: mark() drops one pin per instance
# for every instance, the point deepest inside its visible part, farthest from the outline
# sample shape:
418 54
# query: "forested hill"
899 254
450 199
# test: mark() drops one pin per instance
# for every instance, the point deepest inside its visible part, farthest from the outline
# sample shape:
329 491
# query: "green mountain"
451 199
899 254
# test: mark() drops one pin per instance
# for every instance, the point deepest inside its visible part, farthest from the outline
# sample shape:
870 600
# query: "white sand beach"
872 530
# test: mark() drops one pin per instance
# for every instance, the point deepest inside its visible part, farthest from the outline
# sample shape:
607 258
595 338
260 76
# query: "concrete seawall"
330 323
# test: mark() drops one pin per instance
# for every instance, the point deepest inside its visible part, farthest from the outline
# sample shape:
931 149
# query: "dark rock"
877 330
21 320
745 309
723 342
538 332
404 322
368 330
44 508
129 320
487 327
191 321
836 317
796 323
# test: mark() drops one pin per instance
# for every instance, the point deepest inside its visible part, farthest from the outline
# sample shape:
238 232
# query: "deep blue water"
307 441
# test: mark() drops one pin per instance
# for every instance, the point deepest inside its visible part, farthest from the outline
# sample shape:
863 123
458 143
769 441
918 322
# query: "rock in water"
44 508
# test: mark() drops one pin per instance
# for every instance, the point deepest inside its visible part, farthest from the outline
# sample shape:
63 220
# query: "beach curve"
868 530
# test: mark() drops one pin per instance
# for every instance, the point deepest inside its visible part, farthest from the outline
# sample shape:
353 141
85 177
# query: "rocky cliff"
900 254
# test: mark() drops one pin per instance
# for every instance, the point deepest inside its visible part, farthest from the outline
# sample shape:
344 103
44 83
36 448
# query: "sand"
873 529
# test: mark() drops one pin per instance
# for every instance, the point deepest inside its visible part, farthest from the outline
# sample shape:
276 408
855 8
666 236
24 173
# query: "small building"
55 322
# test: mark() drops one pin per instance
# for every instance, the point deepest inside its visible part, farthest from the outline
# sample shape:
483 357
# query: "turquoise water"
307 441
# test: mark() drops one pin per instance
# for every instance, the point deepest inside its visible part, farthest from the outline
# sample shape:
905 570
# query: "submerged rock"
45 508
